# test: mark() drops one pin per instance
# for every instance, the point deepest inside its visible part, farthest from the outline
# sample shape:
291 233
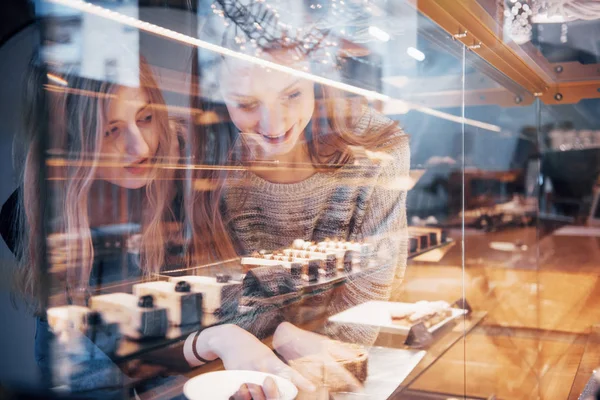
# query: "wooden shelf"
469 22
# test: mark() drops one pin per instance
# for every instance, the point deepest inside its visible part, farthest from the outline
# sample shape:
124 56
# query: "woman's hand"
250 391
239 349
293 343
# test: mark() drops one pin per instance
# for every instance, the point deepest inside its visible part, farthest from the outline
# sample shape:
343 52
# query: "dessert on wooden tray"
138 318
430 313
422 238
352 357
220 294
67 323
183 306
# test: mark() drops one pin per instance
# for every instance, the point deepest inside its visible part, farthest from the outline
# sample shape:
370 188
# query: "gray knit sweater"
359 201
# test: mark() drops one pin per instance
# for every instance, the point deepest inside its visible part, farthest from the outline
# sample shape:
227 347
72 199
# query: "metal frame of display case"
469 22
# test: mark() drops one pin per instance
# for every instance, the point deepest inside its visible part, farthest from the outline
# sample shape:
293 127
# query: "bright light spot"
57 79
379 33
416 54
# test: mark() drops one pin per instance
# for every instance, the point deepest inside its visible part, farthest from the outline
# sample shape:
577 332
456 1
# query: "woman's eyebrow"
288 87
142 108
244 96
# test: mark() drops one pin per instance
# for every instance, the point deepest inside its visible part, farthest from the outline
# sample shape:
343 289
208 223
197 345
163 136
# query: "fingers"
287 372
256 391
270 389
299 380
251 391
243 393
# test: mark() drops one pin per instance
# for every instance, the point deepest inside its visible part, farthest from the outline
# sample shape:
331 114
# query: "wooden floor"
541 301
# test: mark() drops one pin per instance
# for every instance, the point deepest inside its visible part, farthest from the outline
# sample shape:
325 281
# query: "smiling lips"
138 168
277 139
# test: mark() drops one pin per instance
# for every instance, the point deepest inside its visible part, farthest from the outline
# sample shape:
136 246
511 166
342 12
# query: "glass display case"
414 180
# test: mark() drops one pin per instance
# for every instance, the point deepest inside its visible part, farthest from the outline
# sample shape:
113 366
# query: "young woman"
100 135
338 168
100 139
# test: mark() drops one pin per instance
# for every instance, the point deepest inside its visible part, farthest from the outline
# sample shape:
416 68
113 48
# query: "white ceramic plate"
377 313
220 385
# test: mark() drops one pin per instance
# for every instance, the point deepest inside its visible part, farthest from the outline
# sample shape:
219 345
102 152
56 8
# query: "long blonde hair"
69 120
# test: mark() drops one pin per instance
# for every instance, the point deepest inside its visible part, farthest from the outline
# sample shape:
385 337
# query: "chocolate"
348 257
93 318
223 278
296 270
433 240
138 316
413 245
313 270
330 265
423 241
146 301
183 287
365 255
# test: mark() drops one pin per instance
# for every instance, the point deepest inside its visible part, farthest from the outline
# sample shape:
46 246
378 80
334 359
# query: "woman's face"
130 139
270 108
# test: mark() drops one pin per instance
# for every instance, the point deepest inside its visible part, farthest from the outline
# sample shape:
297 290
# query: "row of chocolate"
308 260
421 239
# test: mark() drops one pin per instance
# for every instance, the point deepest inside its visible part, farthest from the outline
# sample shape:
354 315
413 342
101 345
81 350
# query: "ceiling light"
379 33
416 54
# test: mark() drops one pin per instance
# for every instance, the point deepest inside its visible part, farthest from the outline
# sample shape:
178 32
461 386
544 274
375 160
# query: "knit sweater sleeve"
383 226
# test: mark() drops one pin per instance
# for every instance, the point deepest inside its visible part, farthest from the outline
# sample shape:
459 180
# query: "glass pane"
223 179
501 241
569 172
524 239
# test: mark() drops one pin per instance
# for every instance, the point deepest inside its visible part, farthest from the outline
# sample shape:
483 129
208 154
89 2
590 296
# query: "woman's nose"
272 121
135 143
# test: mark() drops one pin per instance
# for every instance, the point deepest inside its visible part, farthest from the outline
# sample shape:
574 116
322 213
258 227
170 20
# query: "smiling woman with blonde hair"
293 159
